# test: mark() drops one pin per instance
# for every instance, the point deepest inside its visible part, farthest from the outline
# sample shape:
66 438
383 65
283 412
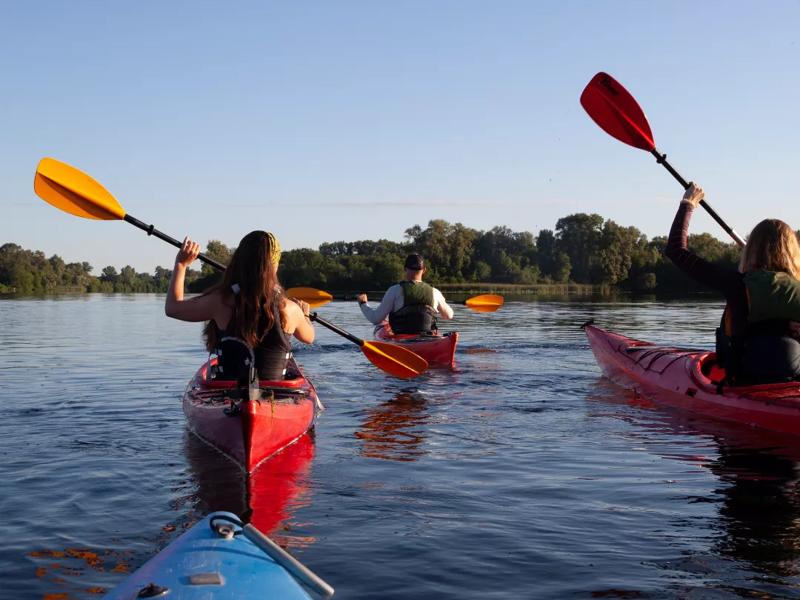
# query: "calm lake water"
522 474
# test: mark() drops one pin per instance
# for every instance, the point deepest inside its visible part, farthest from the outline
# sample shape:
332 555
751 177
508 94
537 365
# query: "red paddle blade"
617 112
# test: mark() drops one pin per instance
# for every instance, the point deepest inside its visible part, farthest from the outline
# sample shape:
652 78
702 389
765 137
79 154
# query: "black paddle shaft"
662 160
315 317
151 230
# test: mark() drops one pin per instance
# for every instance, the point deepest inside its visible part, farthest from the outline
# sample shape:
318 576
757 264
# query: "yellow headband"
275 249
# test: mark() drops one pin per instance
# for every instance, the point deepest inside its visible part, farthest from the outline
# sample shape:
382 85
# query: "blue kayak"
221 558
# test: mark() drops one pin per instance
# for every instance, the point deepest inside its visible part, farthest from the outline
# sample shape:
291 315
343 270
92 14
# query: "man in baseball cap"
411 305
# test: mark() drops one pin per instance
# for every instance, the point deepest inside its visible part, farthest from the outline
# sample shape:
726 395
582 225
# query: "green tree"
219 252
579 236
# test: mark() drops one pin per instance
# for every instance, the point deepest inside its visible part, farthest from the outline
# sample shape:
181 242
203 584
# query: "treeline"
583 248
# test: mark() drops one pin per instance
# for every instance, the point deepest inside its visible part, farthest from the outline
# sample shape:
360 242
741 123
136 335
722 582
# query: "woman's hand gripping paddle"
617 113
75 192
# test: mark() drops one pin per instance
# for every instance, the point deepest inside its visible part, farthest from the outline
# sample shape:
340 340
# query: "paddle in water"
617 113
75 192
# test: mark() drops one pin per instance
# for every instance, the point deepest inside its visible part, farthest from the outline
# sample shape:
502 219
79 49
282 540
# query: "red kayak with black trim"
250 431
438 349
691 379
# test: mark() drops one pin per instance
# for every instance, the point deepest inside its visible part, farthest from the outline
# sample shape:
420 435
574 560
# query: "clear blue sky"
325 121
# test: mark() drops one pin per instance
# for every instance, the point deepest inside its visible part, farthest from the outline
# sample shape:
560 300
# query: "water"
522 474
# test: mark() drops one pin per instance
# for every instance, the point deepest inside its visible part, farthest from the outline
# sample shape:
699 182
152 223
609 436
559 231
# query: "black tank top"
272 353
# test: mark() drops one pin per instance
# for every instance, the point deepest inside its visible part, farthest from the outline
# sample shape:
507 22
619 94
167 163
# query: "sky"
341 120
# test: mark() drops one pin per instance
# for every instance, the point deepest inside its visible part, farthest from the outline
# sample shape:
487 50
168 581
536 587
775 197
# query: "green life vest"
417 314
416 292
772 295
762 350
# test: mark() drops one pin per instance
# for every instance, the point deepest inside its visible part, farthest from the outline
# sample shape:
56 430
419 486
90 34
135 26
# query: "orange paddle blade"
74 191
485 302
314 297
394 359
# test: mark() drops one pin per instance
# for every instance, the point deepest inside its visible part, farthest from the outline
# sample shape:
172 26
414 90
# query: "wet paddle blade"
617 112
314 297
394 359
75 192
485 302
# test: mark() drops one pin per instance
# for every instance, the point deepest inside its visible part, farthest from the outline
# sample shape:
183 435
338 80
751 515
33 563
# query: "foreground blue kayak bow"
222 558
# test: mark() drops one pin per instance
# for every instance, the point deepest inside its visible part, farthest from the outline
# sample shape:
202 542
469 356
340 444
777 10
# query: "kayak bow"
223 559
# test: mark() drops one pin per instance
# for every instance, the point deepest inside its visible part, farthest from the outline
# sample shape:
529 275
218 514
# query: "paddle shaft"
662 160
315 317
151 230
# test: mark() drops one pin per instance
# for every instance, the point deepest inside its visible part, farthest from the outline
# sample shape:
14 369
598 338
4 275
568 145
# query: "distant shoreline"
456 292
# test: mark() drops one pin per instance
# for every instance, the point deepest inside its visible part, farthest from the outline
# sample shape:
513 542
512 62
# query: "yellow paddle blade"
73 191
314 297
485 302
394 359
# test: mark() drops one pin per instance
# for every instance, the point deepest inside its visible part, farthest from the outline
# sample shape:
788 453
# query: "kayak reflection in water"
396 429
757 340
248 307
411 305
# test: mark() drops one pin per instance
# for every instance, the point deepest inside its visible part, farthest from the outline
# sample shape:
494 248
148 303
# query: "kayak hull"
202 564
689 379
253 431
438 350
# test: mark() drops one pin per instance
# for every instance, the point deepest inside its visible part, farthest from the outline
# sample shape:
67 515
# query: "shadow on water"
267 499
758 497
395 429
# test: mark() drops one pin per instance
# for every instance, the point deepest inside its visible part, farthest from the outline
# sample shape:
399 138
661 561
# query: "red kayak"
438 350
250 431
690 379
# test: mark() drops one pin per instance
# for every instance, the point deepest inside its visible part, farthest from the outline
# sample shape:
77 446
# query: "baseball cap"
414 262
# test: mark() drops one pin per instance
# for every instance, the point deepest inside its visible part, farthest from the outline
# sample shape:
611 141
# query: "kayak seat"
293 380
712 369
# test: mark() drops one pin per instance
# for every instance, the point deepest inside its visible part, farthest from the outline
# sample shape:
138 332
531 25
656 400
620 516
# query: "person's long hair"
253 273
772 246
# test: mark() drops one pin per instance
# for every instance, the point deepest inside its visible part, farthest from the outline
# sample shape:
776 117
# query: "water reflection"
267 499
760 506
758 472
395 429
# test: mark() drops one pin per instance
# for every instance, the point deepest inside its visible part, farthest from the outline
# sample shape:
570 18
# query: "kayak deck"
691 379
203 563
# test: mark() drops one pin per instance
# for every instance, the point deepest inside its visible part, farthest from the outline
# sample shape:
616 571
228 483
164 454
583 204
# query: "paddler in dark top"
246 311
757 341
411 305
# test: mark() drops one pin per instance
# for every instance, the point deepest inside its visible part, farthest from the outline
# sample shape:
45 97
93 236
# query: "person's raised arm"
200 308
678 252
376 315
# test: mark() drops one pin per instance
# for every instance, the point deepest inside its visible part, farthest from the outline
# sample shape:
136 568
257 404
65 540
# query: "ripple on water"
522 473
